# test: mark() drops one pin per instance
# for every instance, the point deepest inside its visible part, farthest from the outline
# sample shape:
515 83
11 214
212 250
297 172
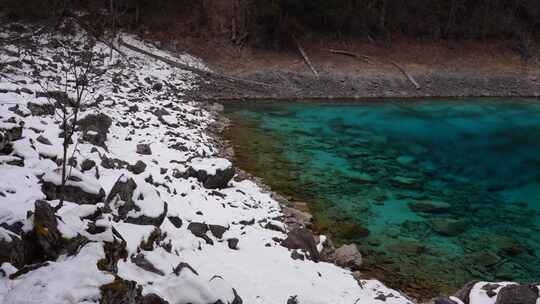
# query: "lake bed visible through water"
434 192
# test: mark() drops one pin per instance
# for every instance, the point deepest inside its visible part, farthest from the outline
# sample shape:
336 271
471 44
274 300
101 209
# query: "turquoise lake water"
435 193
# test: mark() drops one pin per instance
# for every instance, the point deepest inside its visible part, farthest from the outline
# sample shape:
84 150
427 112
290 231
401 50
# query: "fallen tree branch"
409 76
371 60
306 58
195 70
366 58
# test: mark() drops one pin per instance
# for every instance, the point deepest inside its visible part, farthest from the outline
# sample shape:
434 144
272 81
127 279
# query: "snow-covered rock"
213 173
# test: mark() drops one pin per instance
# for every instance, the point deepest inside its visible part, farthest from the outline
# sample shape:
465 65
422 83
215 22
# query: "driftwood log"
409 76
305 56
365 58
371 60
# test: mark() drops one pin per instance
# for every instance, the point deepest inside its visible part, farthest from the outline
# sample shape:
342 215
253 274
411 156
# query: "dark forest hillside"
270 23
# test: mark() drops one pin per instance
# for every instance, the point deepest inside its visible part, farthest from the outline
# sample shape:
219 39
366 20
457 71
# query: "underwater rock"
349 231
405 160
506 271
484 258
408 247
429 206
448 227
407 182
508 246
362 178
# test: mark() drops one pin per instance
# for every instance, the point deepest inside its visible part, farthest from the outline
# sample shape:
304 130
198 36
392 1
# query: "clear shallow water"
435 193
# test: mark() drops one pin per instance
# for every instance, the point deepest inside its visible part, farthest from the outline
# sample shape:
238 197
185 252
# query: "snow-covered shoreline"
152 214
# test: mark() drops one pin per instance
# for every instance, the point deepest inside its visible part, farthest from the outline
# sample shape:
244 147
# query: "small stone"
199 230
176 221
138 168
157 86
217 230
43 140
143 263
87 164
144 149
232 243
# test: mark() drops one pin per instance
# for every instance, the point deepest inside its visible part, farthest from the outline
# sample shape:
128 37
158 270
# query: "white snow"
66 281
210 165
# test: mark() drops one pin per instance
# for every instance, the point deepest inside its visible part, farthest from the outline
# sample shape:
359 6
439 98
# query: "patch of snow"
66 281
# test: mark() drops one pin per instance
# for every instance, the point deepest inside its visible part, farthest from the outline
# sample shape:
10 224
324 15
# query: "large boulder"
95 128
136 204
348 256
303 239
9 132
127 292
12 249
213 173
50 240
79 188
464 293
518 294
41 109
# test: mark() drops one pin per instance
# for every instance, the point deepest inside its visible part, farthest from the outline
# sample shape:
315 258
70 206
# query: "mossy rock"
349 230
